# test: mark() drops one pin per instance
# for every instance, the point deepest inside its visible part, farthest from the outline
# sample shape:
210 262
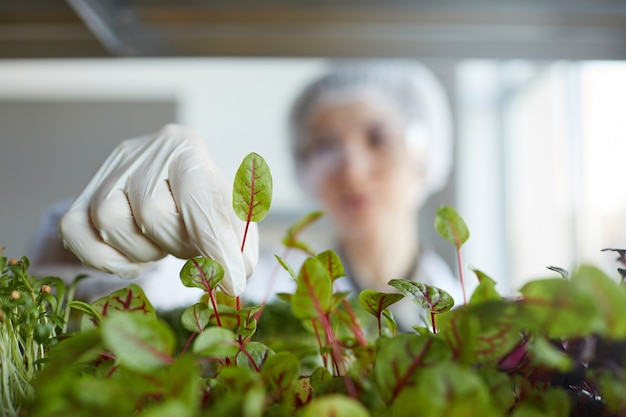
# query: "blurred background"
538 90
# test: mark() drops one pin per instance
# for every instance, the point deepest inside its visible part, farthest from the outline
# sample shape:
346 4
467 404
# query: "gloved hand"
155 195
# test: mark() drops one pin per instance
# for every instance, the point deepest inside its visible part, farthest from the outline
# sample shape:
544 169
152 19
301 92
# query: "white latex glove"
155 195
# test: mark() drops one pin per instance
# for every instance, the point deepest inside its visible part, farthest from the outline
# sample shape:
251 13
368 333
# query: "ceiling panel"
562 29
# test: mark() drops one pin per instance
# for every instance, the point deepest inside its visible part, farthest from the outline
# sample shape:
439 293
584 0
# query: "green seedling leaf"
130 299
183 382
486 288
59 288
303 391
139 342
543 354
94 315
613 389
609 296
319 375
333 405
280 371
558 308
313 294
338 299
239 380
171 408
247 327
450 225
554 402
202 273
431 298
332 263
256 352
499 385
196 317
401 358
482 332
252 191
284 296
291 239
286 267
375 302
215 342
446 390
391 322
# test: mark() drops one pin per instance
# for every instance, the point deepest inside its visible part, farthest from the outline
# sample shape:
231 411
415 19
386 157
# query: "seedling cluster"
556 350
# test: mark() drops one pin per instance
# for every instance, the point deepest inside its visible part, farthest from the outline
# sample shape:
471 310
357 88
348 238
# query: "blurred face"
356 162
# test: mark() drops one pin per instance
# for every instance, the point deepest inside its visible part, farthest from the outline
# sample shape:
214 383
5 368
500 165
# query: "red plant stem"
402 382
245 234
245 352
349 383
187 343
214 303
459 263
319 341
432 318
331 340
356 328
238 306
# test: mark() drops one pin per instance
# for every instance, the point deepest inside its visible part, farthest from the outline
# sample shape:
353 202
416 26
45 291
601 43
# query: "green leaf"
139 342
183 382
291 239
95 317
196 317
202 273
170 408
313 294
500 386
60 289
280 371
131 299
332 263
252 191
609 296
486 288
399 359
613 388
376 303
558 308
257 352
481 332
426 296
247 322
391 322
553 402
215 342
444 390
239 380
319 375
286 267
247 327
333 405
542 353
450 225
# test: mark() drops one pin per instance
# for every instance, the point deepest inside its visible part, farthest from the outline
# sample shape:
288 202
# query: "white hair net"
414 90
